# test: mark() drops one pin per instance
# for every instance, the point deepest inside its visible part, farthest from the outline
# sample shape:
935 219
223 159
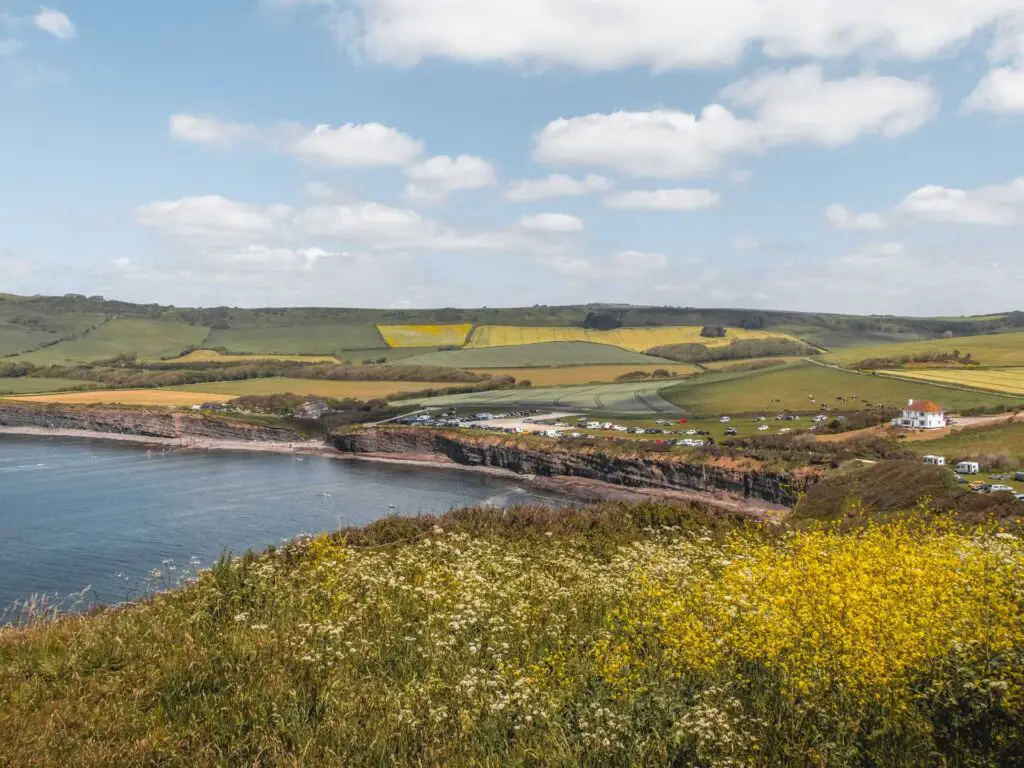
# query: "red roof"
925 406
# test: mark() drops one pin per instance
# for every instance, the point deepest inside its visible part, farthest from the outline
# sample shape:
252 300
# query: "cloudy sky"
800 154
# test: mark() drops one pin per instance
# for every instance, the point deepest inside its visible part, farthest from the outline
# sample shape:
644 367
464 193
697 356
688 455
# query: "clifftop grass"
608 636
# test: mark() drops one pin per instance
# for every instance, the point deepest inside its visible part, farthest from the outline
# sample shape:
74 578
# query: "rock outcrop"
147 422
739 478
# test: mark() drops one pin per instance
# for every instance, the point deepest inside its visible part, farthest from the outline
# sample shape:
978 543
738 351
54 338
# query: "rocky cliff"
147 422
740 478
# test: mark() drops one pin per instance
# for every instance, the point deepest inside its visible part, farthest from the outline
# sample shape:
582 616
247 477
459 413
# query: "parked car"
1000 488
1019 496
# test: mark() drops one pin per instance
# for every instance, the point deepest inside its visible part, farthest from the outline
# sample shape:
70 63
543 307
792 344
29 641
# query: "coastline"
579 489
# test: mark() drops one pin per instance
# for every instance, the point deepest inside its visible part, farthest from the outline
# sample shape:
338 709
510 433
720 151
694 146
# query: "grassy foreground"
610 636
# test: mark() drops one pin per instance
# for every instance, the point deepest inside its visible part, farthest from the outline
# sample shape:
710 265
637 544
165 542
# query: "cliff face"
671 472
137 421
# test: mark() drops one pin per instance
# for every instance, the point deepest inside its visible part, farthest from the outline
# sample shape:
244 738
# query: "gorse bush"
552 639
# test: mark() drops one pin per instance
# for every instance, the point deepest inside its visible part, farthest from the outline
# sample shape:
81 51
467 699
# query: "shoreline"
578 489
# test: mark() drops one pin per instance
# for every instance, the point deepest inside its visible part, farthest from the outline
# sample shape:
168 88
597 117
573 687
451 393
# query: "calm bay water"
76 512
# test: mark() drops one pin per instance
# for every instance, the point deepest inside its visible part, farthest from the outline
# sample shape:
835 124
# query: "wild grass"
27 385
610 636
360 390
212 356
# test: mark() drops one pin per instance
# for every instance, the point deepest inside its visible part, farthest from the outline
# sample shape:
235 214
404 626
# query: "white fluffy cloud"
352 145
200 129
658 34
556 185
56 23
996 205
357 146
796 105
1001 91
438 177
212 219
841 217
664 200
551 222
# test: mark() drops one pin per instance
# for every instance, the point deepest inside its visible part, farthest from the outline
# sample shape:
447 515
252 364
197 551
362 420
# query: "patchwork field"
27 385
639 398
585 374
774 390
210 356
151 397
425 335
993 350
537 355
636 339
361 390
725 366
146 339
296 340
1007 380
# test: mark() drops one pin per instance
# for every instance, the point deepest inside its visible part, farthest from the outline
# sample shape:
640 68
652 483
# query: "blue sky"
797 154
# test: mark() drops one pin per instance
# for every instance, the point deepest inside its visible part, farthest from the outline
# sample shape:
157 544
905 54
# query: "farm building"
922 414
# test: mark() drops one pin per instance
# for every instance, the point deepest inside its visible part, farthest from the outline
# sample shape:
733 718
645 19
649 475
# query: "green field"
1002 438
774 390
361 390
28 385
993 350
536 356
18 338
637 398
296 340
147 339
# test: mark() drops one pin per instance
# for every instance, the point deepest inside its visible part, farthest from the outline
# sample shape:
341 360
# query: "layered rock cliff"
741 478
147 422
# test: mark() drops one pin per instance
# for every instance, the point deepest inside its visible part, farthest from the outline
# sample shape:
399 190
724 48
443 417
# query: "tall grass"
608 636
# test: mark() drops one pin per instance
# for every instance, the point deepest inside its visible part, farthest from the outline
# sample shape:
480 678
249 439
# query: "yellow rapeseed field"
129 397
1007 380
425 335
584 374
211 356
635 339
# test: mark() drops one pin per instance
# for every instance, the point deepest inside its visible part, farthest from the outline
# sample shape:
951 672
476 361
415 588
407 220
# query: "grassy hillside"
146 339
362 390
637 398
650 636
585 374
296 340
27 385
1002 349
535 355
425 335
1006 439
773 390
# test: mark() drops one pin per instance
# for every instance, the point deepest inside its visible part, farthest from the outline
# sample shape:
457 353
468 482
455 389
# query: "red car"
681 421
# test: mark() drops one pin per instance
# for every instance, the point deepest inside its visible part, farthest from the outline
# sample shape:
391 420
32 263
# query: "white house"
922 414
938 461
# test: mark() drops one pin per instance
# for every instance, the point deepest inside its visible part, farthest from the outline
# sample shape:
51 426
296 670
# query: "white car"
785 431
1001 489
763 428
691 431
725 420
